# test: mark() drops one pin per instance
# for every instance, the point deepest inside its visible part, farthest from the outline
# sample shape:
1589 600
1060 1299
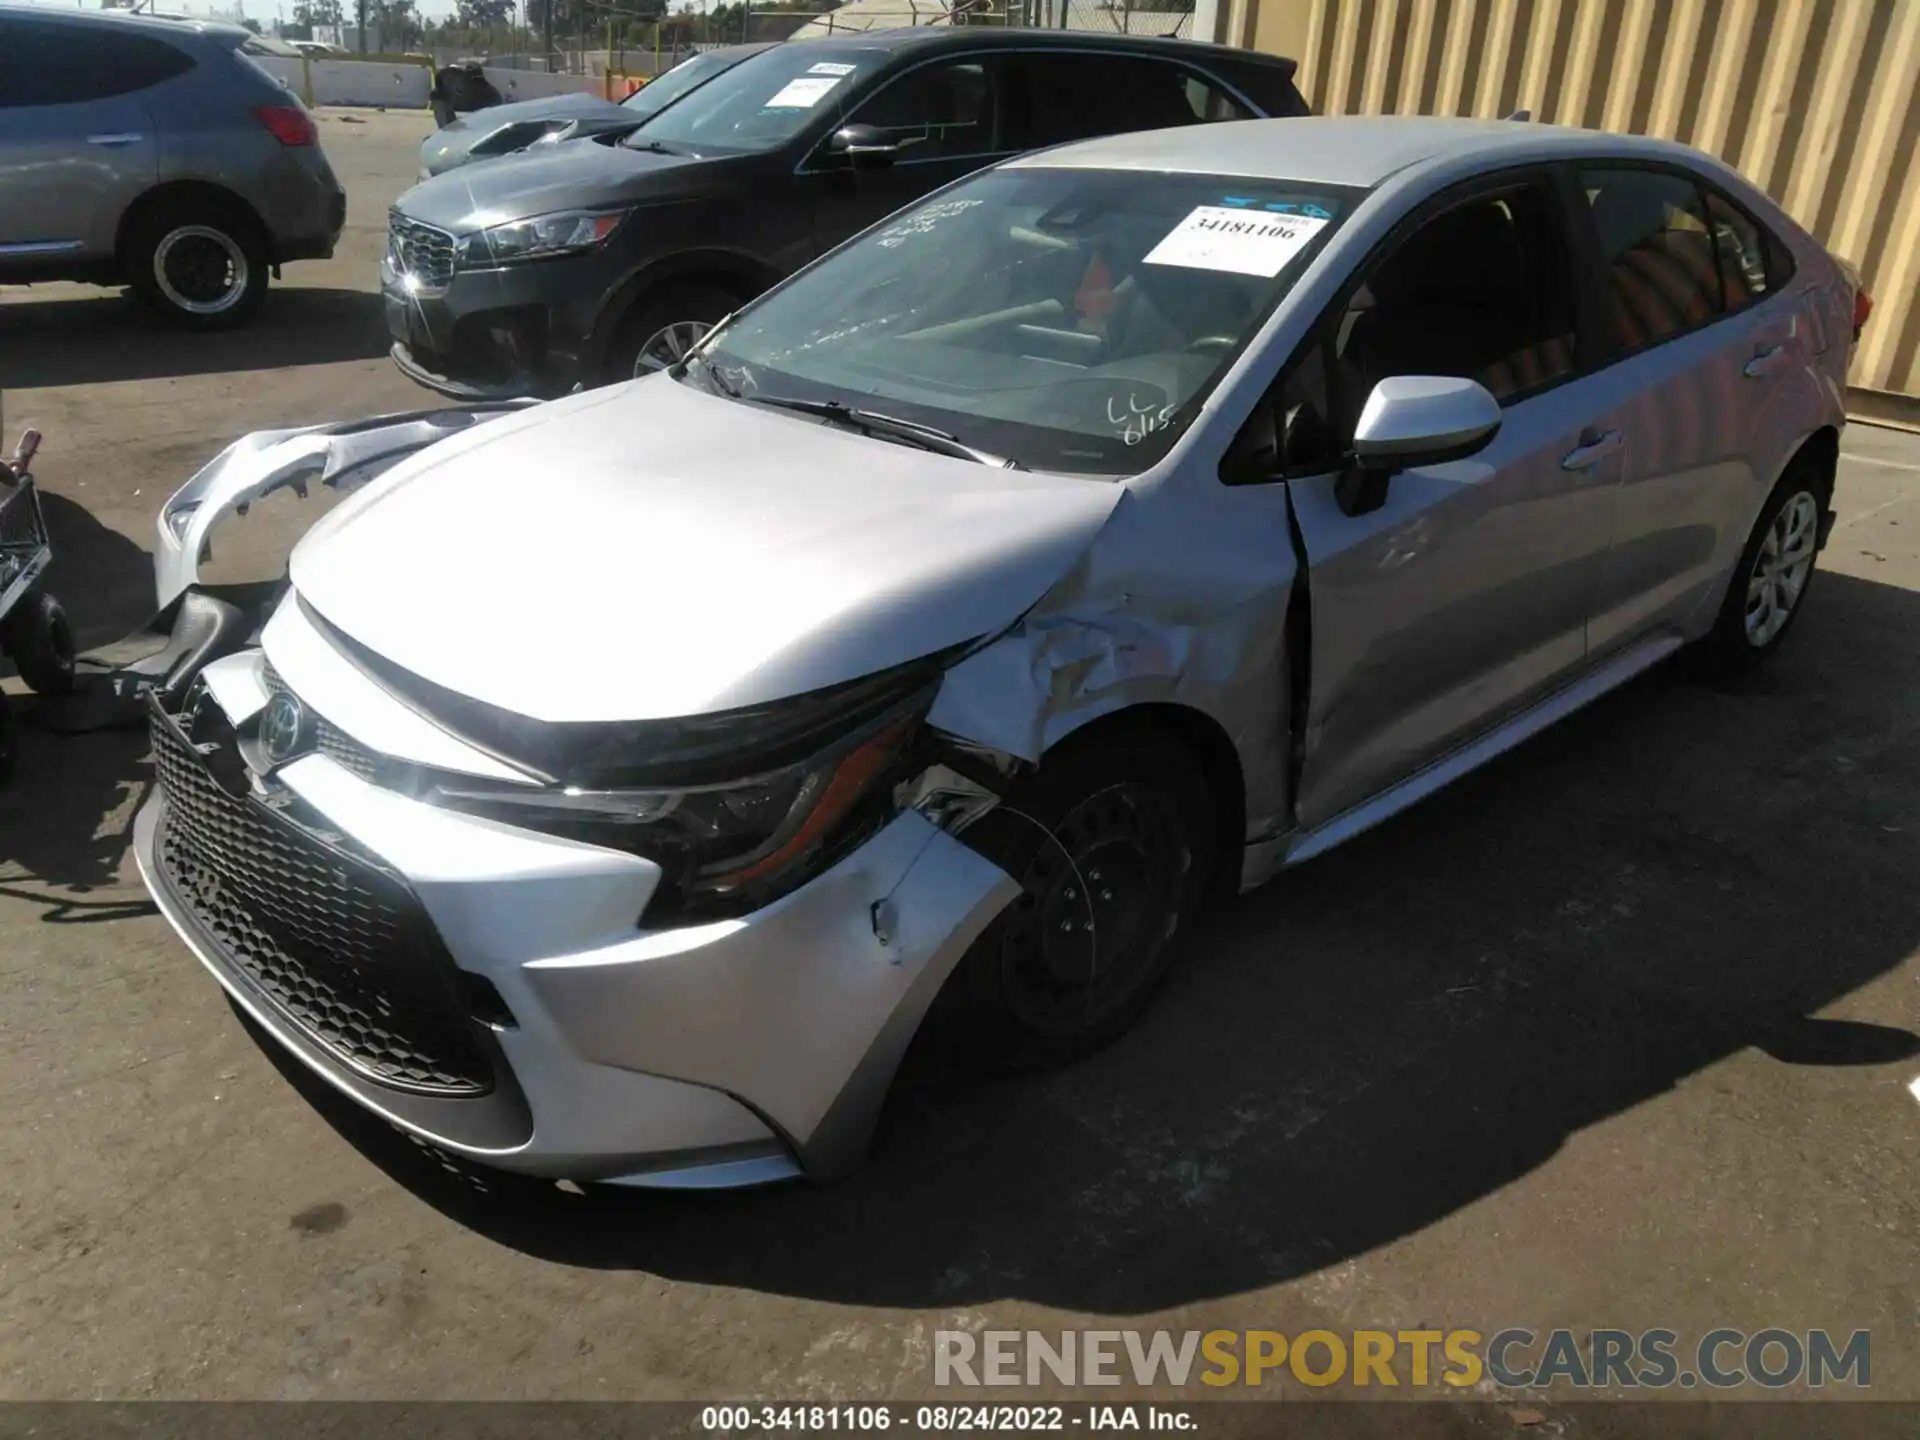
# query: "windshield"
1065 319
762 102
688 75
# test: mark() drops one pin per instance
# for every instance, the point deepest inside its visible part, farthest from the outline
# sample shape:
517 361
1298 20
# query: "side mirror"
1413 420
863 146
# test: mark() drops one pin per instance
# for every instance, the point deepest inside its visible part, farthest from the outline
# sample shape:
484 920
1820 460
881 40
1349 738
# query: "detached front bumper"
495 991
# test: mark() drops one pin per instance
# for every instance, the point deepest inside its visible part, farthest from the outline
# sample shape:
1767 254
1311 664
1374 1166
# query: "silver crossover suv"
155 153
624 780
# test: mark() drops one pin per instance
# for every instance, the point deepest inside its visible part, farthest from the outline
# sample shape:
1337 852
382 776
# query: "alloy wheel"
200 270
1780 569
669 345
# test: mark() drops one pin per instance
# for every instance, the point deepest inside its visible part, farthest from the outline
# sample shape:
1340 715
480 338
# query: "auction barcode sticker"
802 94
1242 242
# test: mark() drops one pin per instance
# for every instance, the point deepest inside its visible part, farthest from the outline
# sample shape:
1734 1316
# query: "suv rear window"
46 63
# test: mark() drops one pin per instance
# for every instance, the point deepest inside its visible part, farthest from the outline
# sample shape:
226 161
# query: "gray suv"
157 154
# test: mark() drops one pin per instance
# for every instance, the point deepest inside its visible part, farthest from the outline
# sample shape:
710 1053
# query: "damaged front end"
201 622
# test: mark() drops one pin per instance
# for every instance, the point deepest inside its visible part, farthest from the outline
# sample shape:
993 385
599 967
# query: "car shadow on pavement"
1680 873
111 336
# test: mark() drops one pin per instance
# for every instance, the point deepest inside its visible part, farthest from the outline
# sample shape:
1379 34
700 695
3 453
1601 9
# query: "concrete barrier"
404 84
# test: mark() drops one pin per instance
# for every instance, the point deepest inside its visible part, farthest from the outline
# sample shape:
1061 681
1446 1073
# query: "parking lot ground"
1615 1033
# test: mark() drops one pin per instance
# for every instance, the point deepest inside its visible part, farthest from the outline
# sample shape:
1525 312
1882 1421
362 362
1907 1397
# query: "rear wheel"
1776 568
202 266
1112 846
665 326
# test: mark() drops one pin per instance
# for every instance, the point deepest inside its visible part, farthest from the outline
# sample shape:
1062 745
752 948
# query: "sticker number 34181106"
1241 242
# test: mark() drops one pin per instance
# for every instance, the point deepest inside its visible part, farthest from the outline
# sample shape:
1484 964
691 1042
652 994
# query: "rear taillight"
1862 308
289 123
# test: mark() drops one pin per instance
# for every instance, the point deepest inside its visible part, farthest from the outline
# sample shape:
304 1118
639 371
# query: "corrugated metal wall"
1818 101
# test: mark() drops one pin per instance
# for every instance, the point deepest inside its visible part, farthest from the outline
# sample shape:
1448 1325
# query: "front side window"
1662 274
764 101
936 112
1067 319
1482 290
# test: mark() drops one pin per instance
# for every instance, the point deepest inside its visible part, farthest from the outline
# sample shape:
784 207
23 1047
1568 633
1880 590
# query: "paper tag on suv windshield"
827 67
802 94
1242 242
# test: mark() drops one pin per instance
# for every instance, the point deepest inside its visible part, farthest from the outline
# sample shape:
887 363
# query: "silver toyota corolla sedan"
624 781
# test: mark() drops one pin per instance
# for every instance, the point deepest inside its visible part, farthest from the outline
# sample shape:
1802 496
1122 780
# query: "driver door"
944 117
1463 595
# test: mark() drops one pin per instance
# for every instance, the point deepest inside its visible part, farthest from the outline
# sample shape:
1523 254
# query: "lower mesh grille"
339 947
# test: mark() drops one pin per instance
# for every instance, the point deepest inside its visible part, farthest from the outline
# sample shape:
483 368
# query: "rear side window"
1663 272
52 64
1753 261
1068 96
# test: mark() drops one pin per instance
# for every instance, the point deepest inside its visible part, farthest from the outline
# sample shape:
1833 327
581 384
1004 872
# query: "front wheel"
1112 847
1770 584
664 328
36 635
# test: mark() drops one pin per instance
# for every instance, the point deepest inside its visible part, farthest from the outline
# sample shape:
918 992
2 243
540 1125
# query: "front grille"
20 522
328 738
337 945
420 251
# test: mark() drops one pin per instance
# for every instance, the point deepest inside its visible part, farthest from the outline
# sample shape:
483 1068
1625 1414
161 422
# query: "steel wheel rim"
1779 575
1099 902
203 260
669 345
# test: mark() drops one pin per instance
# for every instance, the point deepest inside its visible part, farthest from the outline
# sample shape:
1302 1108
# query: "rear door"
947 119
1078 94
77 145
1704 343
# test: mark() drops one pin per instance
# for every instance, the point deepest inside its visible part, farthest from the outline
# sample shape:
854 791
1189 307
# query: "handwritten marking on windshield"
1138 421
922 222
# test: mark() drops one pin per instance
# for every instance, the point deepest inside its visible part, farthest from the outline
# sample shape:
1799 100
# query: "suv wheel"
200 268
664 327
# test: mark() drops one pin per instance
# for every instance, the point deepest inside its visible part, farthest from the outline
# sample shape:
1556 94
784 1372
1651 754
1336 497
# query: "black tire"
174 259
36 636
8 738
1117 830
1762 603
695 303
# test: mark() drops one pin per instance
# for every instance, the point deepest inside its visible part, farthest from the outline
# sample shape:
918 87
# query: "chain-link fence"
1113 17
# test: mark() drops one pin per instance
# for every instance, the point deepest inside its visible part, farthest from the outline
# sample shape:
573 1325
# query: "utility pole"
546 29
363 27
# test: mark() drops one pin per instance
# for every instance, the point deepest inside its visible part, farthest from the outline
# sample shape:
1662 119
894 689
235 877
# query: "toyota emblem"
285 728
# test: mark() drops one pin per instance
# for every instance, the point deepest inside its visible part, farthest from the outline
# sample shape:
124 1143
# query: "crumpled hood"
651 550
528 183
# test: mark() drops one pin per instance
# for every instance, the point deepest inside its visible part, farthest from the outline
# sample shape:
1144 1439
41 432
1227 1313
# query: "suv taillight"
289 123
1862 308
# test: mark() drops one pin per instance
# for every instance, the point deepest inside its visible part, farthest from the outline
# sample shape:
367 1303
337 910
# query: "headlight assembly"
724 848
565 232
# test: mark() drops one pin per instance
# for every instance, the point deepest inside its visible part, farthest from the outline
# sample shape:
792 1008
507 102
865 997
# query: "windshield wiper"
653 147
872 422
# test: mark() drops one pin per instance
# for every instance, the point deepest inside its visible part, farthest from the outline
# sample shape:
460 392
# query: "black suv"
598 260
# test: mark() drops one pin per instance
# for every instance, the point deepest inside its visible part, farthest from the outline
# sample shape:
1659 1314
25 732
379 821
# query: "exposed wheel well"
199 195
1207 741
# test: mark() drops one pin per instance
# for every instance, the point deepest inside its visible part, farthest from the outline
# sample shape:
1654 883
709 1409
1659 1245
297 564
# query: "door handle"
1592 449
124 137
1761 362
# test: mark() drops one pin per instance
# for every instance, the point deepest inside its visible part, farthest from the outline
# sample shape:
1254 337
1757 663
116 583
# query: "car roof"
1356 150
154 24
1014 37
